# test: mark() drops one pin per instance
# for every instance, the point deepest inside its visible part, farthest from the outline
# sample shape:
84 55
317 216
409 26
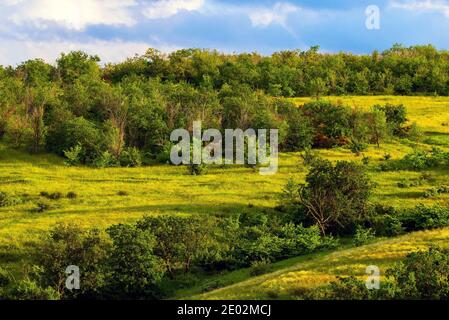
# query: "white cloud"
422 5
161 9
278 14
71 14
16 51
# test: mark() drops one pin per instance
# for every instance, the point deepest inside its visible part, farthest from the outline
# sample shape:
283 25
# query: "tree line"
123 114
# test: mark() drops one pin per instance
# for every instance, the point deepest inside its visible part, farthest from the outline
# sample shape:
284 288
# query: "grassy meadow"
112 195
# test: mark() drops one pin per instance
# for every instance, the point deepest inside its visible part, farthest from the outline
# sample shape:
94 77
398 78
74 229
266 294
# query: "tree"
300 132
335 197
377 126
116 106
75 64
66 245
396 116
331 122
179 241
36 99
134 270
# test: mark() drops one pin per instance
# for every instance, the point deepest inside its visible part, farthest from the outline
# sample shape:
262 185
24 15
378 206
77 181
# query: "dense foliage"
122 114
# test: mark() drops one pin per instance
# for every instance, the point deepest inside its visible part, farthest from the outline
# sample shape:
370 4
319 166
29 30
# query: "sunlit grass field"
319 270
165 189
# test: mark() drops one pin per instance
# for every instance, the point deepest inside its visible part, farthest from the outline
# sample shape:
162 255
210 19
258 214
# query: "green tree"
335 197
66 245
377 126
179 241
134 270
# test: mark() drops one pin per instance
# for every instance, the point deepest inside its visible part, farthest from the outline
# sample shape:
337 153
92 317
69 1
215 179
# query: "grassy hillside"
289 282
164 189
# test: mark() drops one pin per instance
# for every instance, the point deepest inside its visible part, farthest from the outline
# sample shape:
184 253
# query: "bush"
5 278
81 138
349 288
435 192
71 195
73 155
422 275
300 131
122 193
131 157
396 116
259 268
164 155
69 244
363 236
43 206
30 290
197 169
415 133
366 160
389 225
8 201
134 270
424 217
106 160
357 147
309 156
51 196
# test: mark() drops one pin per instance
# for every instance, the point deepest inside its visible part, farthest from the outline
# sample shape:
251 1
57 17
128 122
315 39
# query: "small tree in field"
335 197
377 125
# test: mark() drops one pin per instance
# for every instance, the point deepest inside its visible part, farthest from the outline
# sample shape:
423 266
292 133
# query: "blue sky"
116 29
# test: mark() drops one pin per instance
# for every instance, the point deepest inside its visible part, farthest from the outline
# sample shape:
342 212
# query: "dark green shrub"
51 196
300 132
81 139
435 192
164 154
424 217
180 241
71 195
387 225
396 116
43 206
5 278
357 147
366 160
123 193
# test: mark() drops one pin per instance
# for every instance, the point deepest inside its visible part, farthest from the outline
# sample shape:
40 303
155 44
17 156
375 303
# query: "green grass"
164 189
322 269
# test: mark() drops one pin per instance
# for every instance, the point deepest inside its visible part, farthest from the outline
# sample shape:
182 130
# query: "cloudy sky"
115 29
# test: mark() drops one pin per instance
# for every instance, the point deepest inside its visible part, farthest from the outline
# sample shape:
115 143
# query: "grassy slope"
321 270
165 189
